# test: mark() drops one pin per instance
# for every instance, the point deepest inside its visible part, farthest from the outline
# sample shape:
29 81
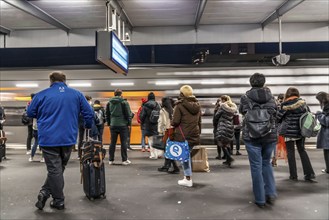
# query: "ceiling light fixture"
80 84
122 84
27 85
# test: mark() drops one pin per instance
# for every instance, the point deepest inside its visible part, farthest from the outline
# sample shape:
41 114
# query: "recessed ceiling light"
27 85
122 84
80 84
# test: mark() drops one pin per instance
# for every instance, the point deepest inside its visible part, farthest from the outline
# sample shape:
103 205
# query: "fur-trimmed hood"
293 104
229 107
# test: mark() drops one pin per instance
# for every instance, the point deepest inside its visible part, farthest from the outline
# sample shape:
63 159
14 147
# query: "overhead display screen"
111 52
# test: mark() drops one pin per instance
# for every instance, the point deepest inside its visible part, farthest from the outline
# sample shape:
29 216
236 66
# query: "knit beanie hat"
151 96
186 90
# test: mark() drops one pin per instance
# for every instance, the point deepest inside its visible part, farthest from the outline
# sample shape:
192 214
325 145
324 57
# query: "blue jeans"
143 139
263 182
187 168
36 143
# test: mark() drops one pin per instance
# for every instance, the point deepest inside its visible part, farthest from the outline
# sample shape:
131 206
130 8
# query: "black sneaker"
270 200
59 206
238 153
260 205
174 171
163 169
42 199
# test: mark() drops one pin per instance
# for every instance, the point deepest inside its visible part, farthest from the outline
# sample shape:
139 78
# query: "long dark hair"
167 105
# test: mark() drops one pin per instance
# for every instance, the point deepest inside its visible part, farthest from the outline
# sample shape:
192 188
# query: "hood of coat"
326 109
229 107
150 104
116 100
259 95
293 104
191 104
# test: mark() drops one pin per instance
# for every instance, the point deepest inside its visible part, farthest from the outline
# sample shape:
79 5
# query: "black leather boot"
229 158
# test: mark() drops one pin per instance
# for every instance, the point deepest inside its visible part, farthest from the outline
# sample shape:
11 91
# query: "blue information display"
119 52
111 52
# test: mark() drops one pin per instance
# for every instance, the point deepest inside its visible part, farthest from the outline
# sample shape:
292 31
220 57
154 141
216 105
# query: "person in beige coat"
163 128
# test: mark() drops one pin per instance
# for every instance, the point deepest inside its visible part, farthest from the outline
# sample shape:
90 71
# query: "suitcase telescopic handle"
87 133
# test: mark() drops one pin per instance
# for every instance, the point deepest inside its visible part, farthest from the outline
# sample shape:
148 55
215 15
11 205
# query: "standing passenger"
57 110
225 128
118 116
260 149
100 114
150 128
187 117
219 149
292 109
323 136
142 130
81 130
29 130
166 113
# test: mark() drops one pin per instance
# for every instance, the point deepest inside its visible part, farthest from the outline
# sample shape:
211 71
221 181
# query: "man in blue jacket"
57 110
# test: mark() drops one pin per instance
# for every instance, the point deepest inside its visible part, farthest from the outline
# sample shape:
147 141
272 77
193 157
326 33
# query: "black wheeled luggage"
92 168
94 181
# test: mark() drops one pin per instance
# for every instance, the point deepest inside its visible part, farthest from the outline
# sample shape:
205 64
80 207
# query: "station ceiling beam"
199 12
284 8
37 12
4 30
122 13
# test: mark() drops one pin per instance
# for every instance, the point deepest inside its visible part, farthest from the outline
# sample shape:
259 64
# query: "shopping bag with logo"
199 159
177 150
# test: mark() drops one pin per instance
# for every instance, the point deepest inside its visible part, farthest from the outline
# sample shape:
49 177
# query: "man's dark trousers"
56 159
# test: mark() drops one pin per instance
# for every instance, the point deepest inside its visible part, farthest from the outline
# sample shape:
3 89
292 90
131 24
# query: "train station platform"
139 191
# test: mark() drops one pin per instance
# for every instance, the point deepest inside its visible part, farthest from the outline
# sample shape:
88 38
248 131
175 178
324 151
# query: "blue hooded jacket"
57 110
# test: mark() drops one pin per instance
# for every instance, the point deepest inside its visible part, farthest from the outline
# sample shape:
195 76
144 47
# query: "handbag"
158 142
177 150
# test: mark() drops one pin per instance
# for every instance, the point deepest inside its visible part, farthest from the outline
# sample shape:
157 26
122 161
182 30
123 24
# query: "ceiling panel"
160 13
309 11
91 13
238 11
75 13
13 18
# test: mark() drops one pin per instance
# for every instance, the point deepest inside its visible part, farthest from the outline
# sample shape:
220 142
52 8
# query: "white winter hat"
186 90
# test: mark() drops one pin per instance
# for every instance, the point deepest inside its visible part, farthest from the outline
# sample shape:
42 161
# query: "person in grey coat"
323 136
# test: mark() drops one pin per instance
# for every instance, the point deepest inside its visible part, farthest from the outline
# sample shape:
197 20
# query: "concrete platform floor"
139 191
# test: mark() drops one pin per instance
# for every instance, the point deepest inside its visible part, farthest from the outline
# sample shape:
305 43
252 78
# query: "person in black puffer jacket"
223 121
260 149
292 109
323 136
149 128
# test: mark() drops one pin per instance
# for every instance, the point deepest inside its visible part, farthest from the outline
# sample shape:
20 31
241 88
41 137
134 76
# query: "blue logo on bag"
176 150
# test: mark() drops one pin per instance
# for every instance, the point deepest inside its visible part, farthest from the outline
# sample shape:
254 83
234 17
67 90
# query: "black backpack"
155 114
257 120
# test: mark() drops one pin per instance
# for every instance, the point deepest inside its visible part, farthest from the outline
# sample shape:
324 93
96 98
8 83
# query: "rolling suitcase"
3 140
94 181
92 168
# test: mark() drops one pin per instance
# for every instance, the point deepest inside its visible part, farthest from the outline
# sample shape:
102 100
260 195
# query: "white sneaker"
127 162
31 159
111 162
42 160
185 182
28 152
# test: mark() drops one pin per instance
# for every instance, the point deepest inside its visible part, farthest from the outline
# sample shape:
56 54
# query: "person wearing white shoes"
187 117
118 117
